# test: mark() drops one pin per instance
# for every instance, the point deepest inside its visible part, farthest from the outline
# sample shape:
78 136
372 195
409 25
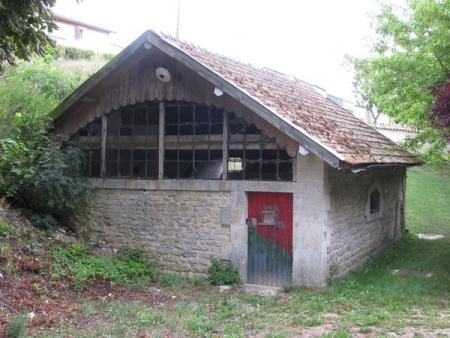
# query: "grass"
427 198
371 301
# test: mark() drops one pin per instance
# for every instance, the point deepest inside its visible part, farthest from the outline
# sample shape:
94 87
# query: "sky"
304 38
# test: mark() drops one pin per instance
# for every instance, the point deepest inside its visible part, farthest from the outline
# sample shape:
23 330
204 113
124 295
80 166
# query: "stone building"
194 154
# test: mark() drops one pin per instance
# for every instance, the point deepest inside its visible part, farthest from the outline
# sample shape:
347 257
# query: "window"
89 139
132 142
192 146
374 203
79 32
254 155
193 143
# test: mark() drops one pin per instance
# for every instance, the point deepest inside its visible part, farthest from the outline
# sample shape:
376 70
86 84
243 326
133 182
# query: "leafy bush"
221 273
46 180
125 268
35 172
73 53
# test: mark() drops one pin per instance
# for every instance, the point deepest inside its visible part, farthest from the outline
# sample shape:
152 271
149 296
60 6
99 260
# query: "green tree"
409 59
24 27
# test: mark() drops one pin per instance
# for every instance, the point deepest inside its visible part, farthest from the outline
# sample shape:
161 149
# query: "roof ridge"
263 70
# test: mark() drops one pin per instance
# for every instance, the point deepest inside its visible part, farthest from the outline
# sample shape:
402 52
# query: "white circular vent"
162 74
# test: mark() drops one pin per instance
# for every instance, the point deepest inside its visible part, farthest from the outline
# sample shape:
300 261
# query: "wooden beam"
225 147
103 146
161 141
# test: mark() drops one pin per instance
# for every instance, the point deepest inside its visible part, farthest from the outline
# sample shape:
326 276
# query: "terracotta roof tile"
302 105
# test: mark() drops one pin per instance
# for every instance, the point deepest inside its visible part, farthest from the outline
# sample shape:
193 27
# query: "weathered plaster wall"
353 238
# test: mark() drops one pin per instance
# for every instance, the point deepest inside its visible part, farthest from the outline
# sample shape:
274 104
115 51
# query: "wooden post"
103 146
161 141
225 146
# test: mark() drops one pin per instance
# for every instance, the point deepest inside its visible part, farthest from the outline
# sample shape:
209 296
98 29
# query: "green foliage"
6 230
221 273
28 93
45 180
73 53
409 58
23 28
430 145
125 268
17 326
173 280
34 171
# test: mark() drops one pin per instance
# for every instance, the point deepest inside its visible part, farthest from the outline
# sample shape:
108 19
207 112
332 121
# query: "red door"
269 238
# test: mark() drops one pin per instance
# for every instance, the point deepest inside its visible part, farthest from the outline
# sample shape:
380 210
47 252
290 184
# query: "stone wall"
354 237
180 223
177 229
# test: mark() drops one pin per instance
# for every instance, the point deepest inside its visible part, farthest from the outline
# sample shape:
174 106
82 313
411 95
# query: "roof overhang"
149 39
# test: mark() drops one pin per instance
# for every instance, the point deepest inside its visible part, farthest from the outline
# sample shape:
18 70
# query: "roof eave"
366 166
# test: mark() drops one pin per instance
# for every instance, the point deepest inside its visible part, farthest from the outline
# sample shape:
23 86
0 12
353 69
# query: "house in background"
195 155
84 35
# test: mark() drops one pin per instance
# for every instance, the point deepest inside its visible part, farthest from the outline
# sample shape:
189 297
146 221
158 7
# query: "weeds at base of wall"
223 273
333 274
128 267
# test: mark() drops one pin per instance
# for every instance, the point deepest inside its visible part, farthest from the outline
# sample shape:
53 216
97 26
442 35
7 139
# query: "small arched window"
374 202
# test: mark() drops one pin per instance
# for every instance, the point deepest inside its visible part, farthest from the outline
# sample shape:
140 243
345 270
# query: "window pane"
111 169
139 154
125 154
139 169
124 169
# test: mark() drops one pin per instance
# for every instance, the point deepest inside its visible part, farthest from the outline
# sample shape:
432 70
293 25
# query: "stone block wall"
354 238
179 230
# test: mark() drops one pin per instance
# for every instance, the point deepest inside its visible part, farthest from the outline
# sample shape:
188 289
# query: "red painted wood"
281 204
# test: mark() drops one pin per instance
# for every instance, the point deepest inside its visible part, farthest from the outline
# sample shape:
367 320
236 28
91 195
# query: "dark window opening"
193 141
253 155
192 149
132 141
375 201
89 140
